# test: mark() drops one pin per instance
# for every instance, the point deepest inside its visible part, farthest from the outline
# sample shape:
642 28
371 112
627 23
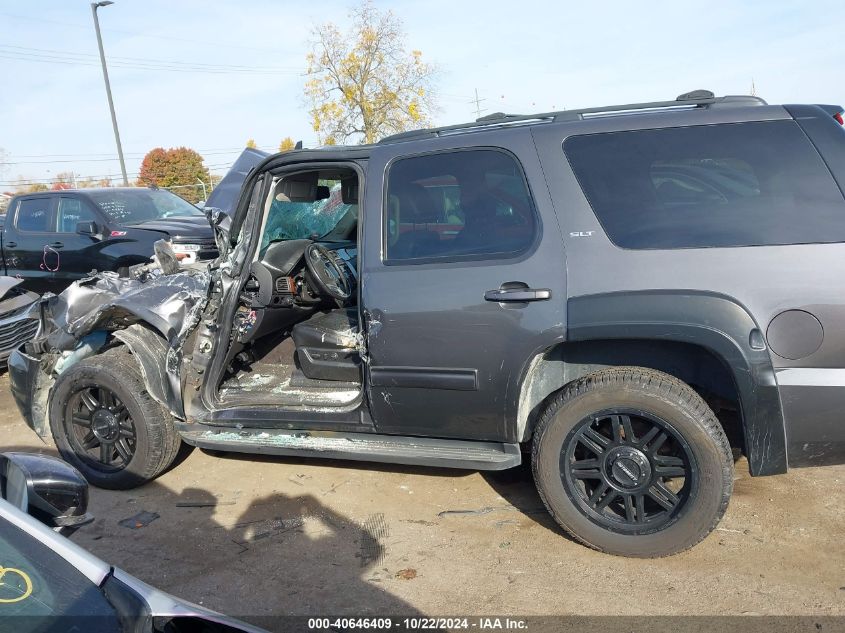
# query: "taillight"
838 117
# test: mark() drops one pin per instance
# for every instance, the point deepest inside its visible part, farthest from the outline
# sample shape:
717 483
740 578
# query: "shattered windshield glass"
306 220
133 206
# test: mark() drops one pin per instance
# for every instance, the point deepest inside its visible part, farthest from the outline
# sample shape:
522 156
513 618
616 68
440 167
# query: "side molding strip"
810 377
425 378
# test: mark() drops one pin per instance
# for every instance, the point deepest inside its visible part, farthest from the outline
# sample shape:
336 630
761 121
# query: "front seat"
327 345
419 211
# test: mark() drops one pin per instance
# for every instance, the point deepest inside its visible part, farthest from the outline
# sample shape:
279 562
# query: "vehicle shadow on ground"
293 460
515 485
282 556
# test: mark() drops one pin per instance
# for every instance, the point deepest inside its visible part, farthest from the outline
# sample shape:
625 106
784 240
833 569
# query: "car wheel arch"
151 351
673 323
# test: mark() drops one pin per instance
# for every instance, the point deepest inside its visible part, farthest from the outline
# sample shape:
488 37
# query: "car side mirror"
87 228
47 488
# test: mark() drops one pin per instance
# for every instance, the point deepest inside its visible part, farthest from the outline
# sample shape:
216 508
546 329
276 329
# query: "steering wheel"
327 272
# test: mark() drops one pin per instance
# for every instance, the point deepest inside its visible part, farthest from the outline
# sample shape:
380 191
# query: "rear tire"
107 425
632 462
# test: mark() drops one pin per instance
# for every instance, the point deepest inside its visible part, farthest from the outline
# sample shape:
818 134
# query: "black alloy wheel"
107 425
631 461
100 429
628 470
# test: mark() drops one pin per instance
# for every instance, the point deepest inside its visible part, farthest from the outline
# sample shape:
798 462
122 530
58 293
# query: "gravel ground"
253 536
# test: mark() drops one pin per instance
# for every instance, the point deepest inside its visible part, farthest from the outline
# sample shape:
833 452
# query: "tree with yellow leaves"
251 143
364 84
287 144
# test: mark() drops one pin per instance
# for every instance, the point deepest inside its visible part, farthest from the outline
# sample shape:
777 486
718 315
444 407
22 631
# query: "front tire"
632 462
106 424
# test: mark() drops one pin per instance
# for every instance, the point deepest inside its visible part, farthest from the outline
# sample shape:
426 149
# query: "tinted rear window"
34 215
739 184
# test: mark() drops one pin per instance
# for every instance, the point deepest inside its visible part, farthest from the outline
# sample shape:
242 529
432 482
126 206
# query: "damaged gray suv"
630 297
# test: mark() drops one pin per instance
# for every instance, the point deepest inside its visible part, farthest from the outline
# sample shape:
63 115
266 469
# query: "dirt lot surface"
254 536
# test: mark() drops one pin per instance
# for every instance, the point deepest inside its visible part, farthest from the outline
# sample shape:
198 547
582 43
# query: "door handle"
11 244
518 295
57 244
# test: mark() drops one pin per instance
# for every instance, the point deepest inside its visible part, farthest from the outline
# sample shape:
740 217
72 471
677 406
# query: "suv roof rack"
694 99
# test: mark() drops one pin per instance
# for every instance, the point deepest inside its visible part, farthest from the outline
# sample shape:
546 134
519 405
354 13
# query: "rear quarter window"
738 184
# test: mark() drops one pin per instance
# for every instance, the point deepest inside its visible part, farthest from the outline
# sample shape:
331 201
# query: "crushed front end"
152 311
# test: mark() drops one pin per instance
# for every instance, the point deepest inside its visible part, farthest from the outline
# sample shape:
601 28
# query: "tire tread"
669 388
163 441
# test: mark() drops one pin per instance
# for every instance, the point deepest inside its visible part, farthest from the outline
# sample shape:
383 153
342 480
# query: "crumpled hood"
11 300
7 283
169 303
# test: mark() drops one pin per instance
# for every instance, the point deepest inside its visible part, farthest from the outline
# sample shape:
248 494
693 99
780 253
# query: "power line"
215 44
477 102
100 160
145 61
46 181
107 154
55 59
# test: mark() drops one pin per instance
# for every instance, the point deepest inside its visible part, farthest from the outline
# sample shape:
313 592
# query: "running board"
392 449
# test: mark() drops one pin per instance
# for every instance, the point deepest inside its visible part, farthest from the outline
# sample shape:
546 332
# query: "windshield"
306 220
133 206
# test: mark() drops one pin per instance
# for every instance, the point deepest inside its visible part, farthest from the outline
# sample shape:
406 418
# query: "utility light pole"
94 7
478 108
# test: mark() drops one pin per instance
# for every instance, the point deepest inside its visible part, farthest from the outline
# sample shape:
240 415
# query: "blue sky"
520 56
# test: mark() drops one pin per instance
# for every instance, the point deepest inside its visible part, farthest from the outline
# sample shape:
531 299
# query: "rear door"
78 254
27 242
463 282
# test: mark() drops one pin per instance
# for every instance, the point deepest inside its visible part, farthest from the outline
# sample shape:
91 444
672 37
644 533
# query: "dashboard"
279 278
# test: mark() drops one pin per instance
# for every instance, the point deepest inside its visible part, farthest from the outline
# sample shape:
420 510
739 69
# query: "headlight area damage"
15 325
152 312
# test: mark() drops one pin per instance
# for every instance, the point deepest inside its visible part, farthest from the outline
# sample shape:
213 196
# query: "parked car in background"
16 324
48 583
52 238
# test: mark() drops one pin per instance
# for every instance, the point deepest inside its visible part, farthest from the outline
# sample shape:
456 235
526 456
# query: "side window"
471 204
738 184
71 212
34 215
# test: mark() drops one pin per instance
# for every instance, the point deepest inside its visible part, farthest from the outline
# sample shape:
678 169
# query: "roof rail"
694 99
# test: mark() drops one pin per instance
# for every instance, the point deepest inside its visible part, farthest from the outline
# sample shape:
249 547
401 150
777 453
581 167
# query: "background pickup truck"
50 239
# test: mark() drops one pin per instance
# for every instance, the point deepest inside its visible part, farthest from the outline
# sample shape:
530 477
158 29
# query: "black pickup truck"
49 239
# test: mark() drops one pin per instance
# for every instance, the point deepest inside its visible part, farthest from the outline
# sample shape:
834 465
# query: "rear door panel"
26 242
443 361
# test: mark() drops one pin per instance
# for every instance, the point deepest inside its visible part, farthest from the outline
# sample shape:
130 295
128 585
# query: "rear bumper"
25 384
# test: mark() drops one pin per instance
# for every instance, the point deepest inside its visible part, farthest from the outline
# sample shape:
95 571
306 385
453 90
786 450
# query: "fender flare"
151 350
713 321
